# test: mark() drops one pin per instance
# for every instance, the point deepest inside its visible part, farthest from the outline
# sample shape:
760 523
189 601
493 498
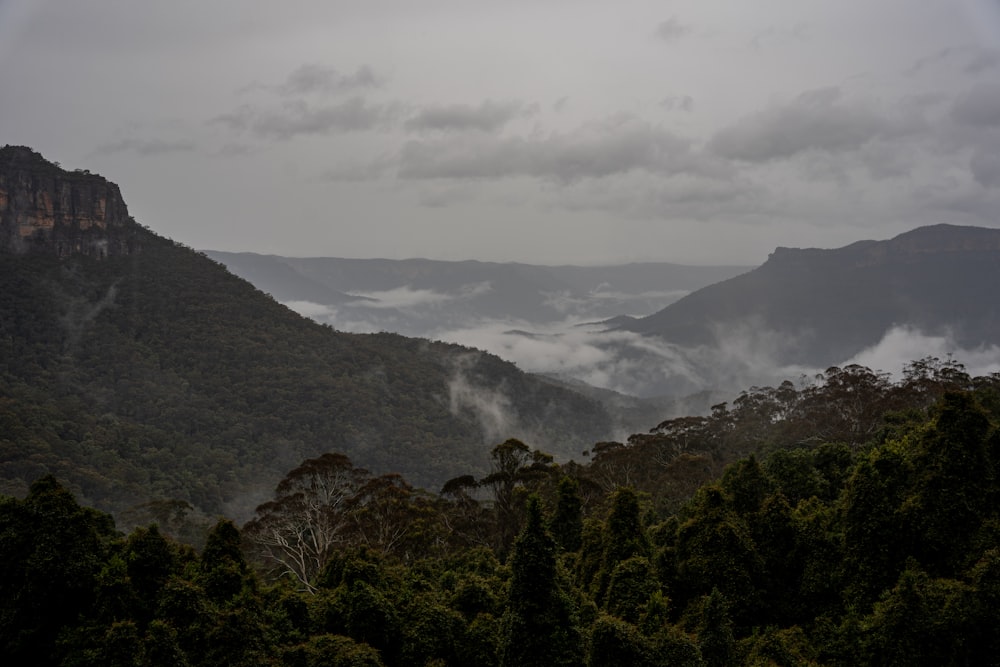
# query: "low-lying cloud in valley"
630 363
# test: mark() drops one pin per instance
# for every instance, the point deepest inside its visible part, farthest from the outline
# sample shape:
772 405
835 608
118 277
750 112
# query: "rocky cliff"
46 209
918 245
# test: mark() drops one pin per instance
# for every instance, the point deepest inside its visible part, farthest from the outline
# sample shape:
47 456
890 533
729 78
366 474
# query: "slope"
827 305
157 374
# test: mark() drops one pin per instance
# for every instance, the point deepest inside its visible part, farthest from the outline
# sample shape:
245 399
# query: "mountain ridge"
158 374
833 303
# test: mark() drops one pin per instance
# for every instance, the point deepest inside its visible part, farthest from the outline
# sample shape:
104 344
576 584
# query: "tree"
539 625
615 643
309 517
514 464
223 572
567 522
874 545
52 551
391 517
715 550
715 631
947 501
624 538
921 621
150 562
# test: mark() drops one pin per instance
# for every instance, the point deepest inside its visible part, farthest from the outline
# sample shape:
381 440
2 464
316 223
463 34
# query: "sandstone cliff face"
44 208
943 241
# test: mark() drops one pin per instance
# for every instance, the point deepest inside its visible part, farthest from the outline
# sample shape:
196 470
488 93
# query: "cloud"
735 358
671 30
300 118
354 171
315 78
903 344
615 146
316 311
146 147
816 120
696 195
489 116
629 303
489 405
982 61
939 56
407 297
985 165
678 102
778 36
979 107
401 297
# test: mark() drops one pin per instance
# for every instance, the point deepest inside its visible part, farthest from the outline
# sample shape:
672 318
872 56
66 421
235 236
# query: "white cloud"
406 297
903 344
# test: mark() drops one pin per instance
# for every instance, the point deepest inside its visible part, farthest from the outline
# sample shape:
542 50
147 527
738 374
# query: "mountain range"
421 297
699 328
137 369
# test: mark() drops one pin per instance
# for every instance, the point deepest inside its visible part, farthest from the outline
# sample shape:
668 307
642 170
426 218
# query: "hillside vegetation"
159 375
862 529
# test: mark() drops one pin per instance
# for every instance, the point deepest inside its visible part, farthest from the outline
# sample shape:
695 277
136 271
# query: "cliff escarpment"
828 305
46 209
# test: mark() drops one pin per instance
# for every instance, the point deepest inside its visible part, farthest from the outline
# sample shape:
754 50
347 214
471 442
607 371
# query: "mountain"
44 209
427 297
137 369
822 307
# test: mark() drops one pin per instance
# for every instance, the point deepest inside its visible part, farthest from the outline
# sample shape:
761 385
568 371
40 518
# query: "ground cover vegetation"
854 520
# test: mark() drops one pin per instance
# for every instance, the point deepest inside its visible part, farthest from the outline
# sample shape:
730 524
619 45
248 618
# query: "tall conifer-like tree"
539 626
567 524
624 537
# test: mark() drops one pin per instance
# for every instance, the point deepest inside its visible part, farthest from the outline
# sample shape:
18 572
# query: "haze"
545 132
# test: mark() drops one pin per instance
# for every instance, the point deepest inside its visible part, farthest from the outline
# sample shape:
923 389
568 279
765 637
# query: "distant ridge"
828 305
457 293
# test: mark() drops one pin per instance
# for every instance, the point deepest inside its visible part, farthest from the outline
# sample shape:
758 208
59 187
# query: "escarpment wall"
44 208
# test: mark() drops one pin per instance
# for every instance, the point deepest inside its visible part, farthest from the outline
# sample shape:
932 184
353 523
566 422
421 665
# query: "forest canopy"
855 521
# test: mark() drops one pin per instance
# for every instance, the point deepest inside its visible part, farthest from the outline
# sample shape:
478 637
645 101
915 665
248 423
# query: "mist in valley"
584 349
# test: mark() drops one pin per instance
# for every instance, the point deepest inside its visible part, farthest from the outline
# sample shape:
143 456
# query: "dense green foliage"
160 377
883 551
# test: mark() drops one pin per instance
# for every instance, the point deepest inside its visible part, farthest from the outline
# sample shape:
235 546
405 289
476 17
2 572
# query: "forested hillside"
862 527
160 376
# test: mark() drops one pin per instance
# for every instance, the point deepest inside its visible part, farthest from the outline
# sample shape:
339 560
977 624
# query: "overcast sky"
544 131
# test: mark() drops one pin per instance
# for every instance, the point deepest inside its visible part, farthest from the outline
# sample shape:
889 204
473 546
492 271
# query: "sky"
550 131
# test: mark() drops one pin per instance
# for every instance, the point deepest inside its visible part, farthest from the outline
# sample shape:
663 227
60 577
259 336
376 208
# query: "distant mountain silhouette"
825 306
421 296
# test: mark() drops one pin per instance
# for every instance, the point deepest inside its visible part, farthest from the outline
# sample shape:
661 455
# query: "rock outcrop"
46 209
